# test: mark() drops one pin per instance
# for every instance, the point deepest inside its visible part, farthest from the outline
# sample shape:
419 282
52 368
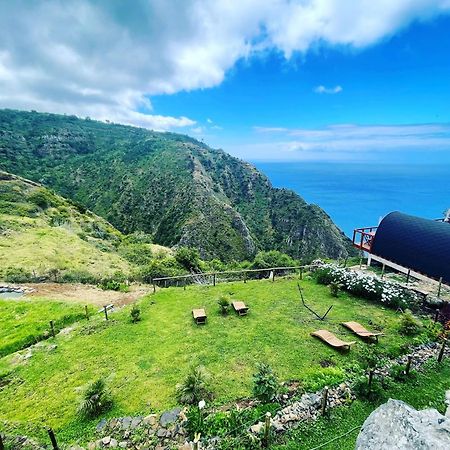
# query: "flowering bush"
367 286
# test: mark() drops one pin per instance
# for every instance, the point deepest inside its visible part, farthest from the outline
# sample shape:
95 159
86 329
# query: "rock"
169 417
150 419
161 433
135 422
113 443
92 446
126 422
256 429
397 425
101 425
447 401
123 444
106 440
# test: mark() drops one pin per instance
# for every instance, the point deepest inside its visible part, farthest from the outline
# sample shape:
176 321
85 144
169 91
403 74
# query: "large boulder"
396 425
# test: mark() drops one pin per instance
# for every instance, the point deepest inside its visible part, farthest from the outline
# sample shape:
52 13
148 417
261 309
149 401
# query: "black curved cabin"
415 244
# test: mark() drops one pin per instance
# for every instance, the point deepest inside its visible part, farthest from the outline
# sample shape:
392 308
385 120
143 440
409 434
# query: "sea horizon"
356 194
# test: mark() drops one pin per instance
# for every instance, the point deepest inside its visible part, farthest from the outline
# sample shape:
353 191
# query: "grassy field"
143 362
25 322
425 391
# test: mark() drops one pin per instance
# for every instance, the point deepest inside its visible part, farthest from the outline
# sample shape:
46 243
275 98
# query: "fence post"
266 438
273 275
52 328
441 352
86 311
436 316
408 365
370 379
245 277
1 443
214 279
53 439
439 287
382 271
106 312
407 276
324 400
154 286
301 273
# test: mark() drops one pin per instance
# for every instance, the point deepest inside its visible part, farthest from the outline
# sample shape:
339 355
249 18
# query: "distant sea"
359 195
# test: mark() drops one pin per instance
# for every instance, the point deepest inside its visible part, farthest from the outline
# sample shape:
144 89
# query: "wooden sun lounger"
199 316
240 308
358 329
331 339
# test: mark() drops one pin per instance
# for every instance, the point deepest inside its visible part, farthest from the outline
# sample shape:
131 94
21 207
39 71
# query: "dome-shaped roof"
421 245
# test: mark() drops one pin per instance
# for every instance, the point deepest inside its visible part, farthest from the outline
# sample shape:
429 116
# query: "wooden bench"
358 329
331 339
199 316
240 308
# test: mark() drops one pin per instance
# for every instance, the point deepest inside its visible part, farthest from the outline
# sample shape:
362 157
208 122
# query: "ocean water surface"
359 195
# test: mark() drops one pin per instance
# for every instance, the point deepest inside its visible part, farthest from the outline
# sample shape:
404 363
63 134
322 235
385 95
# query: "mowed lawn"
25 321
143 362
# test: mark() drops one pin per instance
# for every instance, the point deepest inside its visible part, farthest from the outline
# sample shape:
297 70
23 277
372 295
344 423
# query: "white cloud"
324 90
106 59
345 141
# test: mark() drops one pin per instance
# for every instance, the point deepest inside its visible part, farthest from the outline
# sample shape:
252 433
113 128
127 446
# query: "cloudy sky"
263 79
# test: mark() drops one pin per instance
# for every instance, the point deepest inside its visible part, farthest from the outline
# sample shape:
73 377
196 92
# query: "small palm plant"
195 387
135 314
96 399
265 384
224 305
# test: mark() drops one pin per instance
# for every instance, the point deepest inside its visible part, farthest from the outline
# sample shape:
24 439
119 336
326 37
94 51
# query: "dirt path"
87 293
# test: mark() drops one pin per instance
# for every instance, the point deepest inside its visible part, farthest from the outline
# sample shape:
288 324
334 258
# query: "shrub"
135 314
334 288
139 254
164 267
371 357
96 400
265 383
110 284
224 305
273 258
188 257
373 394
18 275
409 325
323 276
195 386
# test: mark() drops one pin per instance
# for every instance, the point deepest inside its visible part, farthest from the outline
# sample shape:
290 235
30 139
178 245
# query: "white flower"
201 404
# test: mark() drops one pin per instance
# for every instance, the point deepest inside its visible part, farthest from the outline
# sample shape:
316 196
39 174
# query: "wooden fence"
212 278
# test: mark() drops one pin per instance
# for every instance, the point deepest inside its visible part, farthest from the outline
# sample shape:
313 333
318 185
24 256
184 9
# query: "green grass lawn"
143 362
427 390
25 322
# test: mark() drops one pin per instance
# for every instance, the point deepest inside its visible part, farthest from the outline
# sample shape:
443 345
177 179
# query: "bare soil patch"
87 293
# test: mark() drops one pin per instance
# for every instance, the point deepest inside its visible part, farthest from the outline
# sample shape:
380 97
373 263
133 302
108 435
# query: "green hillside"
170 186
43 234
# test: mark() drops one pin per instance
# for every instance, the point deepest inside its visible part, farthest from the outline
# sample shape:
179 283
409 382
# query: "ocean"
359 195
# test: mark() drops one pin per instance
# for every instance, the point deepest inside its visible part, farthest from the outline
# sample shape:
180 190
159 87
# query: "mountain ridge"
171 186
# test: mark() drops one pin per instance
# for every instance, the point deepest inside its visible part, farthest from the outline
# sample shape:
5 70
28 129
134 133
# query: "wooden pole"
439 287
106 312
154 286
86 311
408 365
53 439
214 279
382 271
441 352
273 275
370 379
324 400
301 273
52 328
436 316
266 438
245 277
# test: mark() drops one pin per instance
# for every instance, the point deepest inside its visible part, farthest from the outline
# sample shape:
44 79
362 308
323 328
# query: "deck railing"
363 238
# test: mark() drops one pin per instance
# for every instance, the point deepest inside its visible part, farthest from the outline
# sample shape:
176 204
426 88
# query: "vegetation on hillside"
171 187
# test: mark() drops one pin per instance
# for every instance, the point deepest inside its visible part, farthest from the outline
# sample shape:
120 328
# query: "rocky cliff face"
395 425
169 185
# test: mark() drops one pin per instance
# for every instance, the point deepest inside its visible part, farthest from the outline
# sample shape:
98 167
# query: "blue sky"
401 80
320 80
